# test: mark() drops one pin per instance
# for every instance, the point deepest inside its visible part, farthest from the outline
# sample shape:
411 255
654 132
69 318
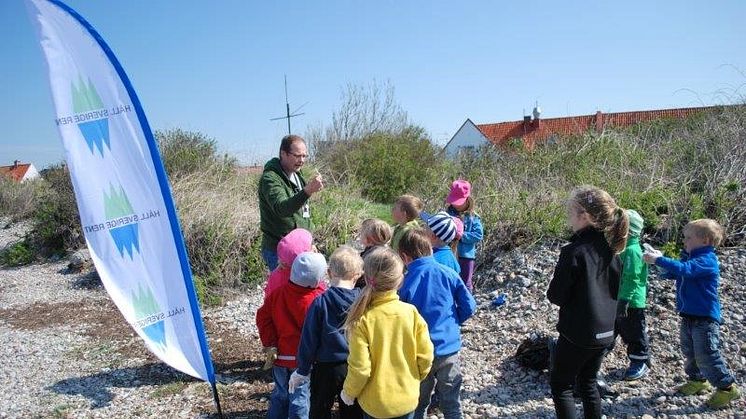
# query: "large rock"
79 260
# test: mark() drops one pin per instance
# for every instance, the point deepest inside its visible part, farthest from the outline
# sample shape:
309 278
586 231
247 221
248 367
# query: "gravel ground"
67 352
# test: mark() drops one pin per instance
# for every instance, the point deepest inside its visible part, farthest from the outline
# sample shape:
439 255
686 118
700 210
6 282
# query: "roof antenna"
537 110
289 115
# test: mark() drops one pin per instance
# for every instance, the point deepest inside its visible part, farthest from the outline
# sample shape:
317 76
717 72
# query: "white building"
467 138
20 172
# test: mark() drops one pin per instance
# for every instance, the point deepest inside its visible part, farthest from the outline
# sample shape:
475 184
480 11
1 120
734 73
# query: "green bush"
188 152
385 165
18 200
17 254
55 221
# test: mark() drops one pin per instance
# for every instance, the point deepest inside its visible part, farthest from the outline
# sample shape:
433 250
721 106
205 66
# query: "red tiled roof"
15 172
531 131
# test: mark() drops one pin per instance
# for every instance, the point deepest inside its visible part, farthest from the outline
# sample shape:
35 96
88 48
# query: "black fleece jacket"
585 287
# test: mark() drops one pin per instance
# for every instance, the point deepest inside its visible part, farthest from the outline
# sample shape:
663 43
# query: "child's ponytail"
604 213
357 309
384 271
616 233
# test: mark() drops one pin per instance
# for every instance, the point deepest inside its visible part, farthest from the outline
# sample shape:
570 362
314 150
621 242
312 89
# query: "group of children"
600 286
386 334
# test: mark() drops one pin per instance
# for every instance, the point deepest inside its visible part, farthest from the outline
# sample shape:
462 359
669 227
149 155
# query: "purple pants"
467 271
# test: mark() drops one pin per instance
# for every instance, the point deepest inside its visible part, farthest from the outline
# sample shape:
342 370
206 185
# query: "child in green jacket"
405 212
630 323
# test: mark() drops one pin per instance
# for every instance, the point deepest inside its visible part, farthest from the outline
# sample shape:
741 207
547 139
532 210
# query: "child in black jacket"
585 287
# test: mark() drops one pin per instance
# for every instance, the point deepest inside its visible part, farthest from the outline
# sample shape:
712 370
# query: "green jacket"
280 205
399 231
634 284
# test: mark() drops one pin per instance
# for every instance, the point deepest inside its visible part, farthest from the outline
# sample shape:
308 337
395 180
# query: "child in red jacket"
280 321
293 244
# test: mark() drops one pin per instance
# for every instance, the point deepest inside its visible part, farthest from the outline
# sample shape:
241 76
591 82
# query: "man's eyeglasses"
298 156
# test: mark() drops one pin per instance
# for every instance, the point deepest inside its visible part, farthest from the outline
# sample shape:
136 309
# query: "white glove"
651 253
297 380
346 399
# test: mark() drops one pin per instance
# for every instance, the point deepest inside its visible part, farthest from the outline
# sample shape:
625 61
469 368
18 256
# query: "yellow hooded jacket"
390 353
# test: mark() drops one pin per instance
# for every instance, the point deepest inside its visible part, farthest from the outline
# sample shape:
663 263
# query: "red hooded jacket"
280 320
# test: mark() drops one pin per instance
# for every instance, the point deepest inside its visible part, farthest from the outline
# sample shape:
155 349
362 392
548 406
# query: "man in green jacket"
283 196
630 323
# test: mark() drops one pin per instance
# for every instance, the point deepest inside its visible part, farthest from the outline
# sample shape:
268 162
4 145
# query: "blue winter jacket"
444 256
442 300
321 339
473 234
697 279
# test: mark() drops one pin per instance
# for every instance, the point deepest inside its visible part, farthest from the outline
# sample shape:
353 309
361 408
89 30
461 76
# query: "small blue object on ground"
499 300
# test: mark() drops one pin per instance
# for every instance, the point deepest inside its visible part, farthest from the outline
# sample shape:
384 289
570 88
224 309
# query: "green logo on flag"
122 221
149 315
90 115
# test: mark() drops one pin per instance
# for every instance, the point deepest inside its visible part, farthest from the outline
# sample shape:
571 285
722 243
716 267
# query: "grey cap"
308 270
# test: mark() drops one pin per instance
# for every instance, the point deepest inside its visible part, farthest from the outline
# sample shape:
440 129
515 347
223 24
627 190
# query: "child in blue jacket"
461 204
323 349
697 275
441 231
444 302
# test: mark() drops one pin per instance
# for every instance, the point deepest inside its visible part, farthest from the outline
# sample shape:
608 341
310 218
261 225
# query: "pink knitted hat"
293 244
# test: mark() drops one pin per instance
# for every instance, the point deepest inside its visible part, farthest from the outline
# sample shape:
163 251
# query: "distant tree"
365 110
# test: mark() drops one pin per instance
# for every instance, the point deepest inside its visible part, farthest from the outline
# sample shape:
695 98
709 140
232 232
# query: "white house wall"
31 173
468 136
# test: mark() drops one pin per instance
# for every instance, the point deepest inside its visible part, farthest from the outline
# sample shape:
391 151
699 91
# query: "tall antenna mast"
288 115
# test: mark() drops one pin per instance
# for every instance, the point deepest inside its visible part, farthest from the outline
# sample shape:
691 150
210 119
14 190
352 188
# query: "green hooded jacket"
280 205
634 284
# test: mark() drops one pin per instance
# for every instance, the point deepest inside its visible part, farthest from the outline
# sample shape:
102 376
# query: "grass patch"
168 390
62 411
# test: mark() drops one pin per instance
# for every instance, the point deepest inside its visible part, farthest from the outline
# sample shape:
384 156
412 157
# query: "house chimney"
599 122
537 116
15 164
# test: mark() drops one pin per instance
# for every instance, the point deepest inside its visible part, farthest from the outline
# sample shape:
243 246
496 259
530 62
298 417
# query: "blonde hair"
376 231
604 214
384 271
708 229
410 205
345 262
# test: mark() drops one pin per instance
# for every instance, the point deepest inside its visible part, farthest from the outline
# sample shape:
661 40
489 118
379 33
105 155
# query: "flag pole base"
216 399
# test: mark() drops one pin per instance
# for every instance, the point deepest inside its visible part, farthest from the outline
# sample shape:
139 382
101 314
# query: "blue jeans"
700 344
445 378
283 405
270 259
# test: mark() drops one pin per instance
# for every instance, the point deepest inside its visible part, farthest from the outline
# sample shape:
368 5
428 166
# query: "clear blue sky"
217 67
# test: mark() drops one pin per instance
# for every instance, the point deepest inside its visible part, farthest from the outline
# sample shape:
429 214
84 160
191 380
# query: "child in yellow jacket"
390 347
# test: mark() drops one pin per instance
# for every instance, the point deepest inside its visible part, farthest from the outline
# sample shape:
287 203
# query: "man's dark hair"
288 140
